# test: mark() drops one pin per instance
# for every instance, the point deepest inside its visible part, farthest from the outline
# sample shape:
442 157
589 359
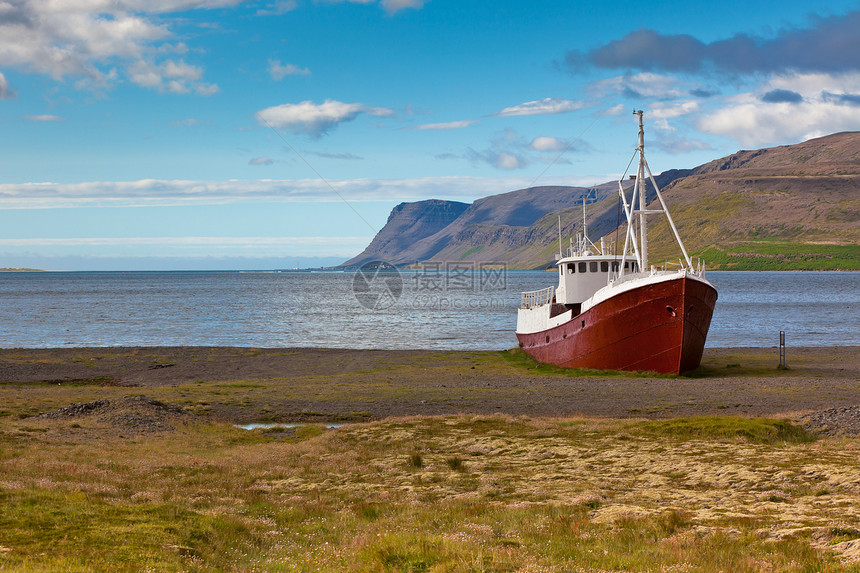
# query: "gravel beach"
246 385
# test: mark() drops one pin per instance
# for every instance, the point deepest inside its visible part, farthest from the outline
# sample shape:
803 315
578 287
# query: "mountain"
408 224
509 211
788 207
536 245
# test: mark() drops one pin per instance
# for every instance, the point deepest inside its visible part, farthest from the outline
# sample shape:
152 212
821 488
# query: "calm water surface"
321 310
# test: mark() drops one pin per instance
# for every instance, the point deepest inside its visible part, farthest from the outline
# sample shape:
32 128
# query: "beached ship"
613 311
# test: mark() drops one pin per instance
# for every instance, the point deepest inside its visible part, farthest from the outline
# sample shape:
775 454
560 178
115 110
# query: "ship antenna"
560 251
584 227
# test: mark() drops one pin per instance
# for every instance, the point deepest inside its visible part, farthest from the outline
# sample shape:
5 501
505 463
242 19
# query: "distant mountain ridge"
754 207
408 224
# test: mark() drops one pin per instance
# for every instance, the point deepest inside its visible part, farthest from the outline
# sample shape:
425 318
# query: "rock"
834 422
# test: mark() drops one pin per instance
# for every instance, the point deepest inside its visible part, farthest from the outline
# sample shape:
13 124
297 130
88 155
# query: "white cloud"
670 142
6 92
659 110
261 161
643 85
500 159
547 143
70 39
542 107
505 160
157 192
614 111
829 104
97 42
316 119
278 71
45 117
278 8
170 76
447 125
89 39
207 89
390 6
507 151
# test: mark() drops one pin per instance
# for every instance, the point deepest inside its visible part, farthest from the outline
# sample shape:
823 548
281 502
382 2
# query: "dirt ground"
246 385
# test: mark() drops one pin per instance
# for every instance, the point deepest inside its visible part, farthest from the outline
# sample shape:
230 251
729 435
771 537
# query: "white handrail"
535 298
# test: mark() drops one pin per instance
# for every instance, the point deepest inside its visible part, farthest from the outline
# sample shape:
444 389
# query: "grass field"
775 255
442 493
138 485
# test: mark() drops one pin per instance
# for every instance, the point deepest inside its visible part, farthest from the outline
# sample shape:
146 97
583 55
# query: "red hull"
659 327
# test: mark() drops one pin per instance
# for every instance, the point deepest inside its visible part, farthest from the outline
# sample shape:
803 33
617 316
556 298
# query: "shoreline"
249 385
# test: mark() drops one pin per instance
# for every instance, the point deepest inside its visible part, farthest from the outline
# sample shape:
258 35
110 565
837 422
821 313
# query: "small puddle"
270 426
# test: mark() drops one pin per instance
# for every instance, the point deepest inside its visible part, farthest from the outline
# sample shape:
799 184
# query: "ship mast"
632 209
640 183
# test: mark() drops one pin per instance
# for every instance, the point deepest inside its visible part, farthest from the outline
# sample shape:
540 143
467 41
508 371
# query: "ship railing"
697 267
535 298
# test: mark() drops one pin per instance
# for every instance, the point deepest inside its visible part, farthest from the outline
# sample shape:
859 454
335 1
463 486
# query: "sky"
230 134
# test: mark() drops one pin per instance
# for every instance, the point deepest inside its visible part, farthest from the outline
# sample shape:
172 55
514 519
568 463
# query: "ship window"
604 266
615 266
583 267
626 266
593 266
571 268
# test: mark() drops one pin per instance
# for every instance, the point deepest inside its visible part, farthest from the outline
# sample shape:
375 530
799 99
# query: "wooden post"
782 365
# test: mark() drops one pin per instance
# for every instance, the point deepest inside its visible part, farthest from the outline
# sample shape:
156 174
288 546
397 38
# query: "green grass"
487 493
754 430
780 255
519 359
472 251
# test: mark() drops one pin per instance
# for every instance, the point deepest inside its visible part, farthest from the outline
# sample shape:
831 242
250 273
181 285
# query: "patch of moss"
753 430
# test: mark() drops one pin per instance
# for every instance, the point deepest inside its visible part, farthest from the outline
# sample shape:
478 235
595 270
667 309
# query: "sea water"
465 309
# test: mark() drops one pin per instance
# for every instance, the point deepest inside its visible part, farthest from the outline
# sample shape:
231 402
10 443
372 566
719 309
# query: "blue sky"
207 134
